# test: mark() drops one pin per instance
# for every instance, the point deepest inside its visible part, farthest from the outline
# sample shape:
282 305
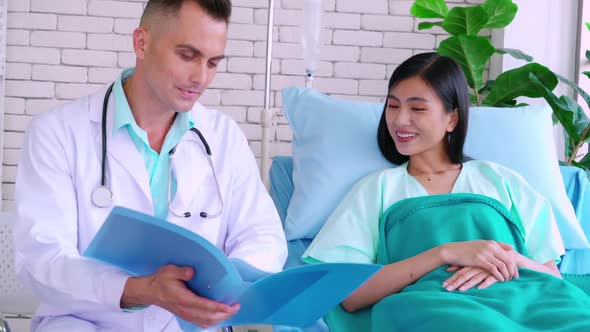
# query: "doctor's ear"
140 41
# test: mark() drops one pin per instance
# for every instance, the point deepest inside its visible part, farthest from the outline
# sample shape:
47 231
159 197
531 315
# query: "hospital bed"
281 190
287 172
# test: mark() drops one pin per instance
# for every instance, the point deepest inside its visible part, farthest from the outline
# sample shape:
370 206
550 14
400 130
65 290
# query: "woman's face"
417 119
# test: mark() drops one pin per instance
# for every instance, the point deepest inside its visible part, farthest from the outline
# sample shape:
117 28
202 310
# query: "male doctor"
63 196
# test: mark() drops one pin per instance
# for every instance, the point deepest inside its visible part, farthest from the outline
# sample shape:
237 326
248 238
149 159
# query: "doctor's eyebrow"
196 51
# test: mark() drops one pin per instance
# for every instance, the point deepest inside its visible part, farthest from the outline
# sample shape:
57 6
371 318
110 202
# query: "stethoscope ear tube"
203 140
102 196
105 105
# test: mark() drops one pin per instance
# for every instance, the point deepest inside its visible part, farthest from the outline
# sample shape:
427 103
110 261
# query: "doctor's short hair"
446 78
218 9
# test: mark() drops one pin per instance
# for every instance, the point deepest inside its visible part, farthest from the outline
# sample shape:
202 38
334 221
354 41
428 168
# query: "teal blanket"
534 302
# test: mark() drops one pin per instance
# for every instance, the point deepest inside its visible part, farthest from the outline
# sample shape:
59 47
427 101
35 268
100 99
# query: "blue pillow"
335 145
522 139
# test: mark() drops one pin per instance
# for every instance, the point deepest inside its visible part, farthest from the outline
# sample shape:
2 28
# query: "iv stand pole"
266 114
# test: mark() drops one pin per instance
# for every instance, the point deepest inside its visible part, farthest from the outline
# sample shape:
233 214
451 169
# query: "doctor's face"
417 119
181 56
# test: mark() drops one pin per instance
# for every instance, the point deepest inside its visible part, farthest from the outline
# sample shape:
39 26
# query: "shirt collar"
123 115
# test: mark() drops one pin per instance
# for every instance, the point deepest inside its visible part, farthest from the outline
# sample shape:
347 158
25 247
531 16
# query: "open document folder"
299 296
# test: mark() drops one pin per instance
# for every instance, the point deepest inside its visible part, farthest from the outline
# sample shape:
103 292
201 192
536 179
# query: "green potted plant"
571 116
473 51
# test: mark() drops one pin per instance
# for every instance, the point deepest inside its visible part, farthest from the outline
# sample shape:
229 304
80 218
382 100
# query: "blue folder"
140 244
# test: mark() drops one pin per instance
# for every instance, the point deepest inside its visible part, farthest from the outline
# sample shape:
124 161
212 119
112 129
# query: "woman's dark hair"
446 78
218 9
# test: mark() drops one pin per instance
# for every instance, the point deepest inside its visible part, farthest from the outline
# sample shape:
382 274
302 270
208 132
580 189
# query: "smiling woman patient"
464 243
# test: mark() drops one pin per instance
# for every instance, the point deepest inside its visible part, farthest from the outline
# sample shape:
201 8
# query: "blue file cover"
140 244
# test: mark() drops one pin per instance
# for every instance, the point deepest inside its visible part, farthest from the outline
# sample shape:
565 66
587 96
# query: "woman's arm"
522 261
548 267
467 277
392 278
542 236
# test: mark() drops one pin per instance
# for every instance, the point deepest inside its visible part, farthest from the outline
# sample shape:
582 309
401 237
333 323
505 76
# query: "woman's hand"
514 255
498 258
468 277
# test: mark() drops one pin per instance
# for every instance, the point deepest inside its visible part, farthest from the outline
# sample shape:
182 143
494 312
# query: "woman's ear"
453 120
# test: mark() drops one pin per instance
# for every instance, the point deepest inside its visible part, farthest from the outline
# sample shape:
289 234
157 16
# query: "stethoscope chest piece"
102 197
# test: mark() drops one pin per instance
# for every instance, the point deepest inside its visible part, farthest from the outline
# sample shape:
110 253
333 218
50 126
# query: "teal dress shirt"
157 164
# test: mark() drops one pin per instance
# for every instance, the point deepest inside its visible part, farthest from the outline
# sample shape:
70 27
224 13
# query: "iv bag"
311 28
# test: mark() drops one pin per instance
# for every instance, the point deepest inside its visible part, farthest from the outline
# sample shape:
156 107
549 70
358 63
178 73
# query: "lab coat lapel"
120 149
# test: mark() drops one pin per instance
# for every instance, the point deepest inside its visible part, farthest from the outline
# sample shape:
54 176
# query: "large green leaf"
471 52
585 162
561 108
486 87
429 9
500 12
517 54
428 25
587 55
575 164
465 20
516 83
577 88
507 104
580 119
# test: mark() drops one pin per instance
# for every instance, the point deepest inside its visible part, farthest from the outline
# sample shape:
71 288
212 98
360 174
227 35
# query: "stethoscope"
102 196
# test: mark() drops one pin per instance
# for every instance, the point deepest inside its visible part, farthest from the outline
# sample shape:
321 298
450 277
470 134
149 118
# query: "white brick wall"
59 50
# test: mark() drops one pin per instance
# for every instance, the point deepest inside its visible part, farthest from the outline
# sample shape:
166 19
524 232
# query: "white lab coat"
59 169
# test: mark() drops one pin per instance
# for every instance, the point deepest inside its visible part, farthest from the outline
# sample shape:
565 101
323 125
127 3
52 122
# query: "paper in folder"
298 296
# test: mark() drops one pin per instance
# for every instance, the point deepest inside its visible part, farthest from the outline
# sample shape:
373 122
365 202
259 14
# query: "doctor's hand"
167 289
495 257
